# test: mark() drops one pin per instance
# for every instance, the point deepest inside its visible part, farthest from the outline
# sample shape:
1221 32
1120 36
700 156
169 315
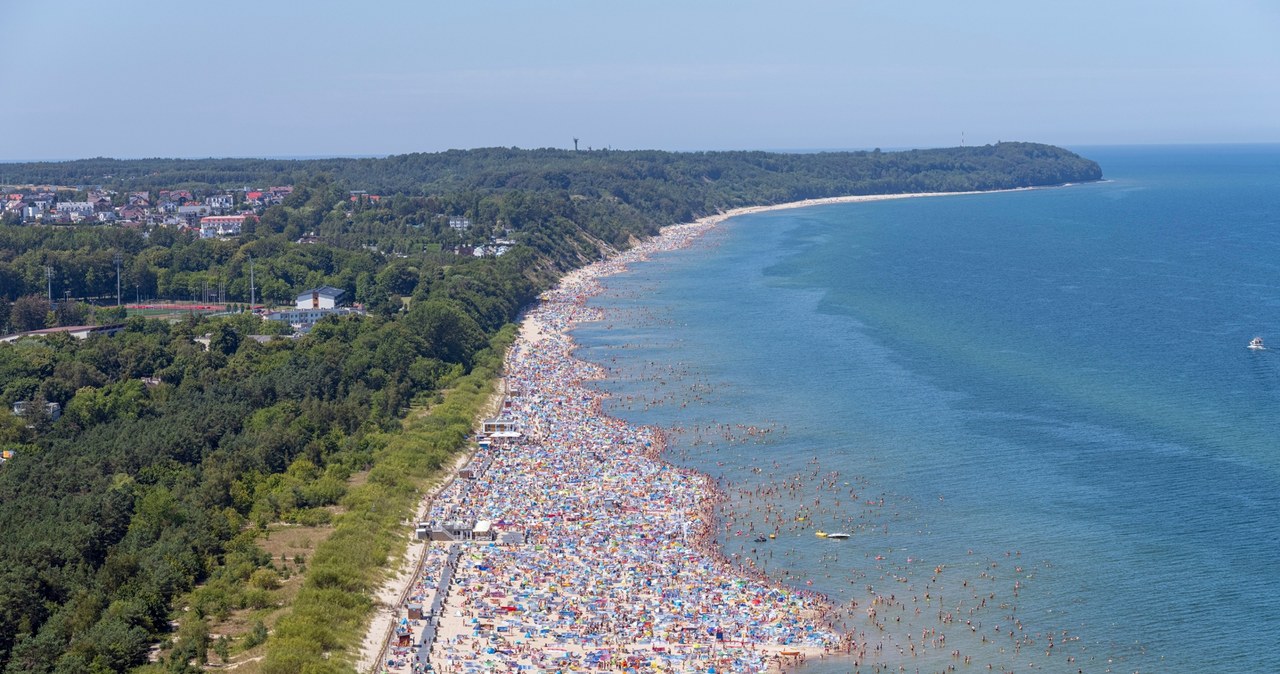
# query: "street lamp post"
118 259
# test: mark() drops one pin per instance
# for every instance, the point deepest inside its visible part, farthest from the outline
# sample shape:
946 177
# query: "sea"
1033 412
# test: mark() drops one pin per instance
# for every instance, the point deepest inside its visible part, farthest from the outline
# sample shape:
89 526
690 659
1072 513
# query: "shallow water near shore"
1033 412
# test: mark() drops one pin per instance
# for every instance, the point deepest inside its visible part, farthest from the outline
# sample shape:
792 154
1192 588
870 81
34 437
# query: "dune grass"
323 631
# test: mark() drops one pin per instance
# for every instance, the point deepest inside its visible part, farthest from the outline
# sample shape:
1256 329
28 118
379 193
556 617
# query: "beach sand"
616 566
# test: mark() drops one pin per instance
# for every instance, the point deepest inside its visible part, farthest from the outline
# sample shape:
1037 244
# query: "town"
214 214
238 217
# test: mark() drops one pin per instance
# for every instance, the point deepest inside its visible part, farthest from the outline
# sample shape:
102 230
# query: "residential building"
194 210
220 201
496 248
81 208
54 410
176 196
221 225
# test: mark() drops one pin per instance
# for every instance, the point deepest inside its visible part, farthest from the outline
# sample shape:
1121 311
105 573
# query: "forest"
675 184
169 459
558 204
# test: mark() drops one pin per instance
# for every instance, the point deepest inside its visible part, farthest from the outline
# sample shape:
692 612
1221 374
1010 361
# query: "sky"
275 78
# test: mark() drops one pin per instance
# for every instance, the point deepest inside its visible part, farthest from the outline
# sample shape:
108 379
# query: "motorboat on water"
1256 344
838 536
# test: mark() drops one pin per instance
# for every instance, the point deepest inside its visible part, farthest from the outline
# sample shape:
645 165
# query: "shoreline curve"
511 494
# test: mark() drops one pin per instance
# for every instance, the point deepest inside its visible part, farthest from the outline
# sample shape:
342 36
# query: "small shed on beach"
499 425
452 530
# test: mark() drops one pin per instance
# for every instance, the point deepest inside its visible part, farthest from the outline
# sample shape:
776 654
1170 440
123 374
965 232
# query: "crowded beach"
566 543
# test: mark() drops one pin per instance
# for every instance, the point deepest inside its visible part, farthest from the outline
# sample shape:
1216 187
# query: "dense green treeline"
334 602
694 180
140 490
149 488
169 459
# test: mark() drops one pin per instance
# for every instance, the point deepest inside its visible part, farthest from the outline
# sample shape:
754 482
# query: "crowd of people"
600 554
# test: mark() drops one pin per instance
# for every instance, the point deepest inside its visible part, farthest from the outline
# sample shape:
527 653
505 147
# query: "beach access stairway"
412 617
427 638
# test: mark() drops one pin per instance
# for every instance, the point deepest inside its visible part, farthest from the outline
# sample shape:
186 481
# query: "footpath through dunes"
568 543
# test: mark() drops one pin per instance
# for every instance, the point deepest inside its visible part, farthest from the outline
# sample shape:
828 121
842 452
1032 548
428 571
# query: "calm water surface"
1033 411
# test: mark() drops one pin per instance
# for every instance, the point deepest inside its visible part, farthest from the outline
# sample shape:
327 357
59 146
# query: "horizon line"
787 150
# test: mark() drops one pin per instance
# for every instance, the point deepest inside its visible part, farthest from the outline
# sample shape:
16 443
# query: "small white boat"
1256 344
838 536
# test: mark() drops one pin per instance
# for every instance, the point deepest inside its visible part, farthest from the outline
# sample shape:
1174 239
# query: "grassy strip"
331 611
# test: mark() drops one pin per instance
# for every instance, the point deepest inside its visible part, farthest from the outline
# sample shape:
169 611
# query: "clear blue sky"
138 78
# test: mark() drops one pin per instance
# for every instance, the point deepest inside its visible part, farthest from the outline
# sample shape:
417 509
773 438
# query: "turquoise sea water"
1039 399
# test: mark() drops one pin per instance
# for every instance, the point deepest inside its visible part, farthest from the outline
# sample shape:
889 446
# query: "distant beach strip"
568 544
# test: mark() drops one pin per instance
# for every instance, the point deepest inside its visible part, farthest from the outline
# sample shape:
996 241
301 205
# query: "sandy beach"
574 546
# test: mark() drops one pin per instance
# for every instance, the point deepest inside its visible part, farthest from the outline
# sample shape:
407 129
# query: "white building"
221 225
81 208
220 201
496 248
303 319
324 297
194 209
54 410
